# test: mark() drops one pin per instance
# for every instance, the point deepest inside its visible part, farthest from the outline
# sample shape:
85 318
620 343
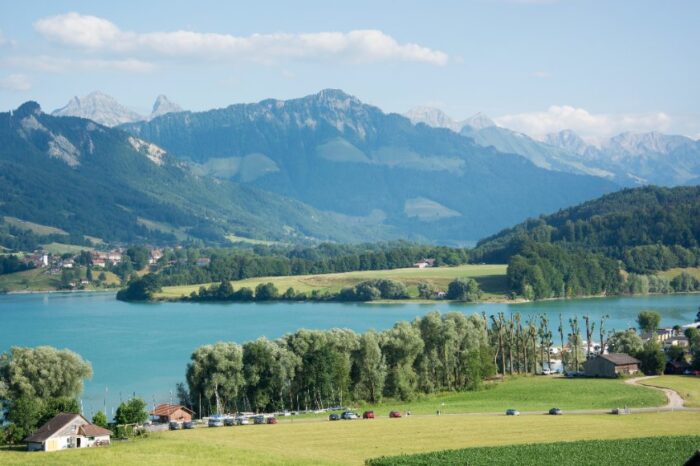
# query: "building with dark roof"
67 430
611 365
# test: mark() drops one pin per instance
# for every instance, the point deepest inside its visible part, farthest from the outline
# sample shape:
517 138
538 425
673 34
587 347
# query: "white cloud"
49 64
590 126
541 74
15 83
92 33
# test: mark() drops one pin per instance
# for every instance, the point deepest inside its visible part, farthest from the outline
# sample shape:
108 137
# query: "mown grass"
491 278
538 393
29 280
687 387
352 442
672 273
633 452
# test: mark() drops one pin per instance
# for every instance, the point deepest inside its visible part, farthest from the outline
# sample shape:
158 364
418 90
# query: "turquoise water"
144 348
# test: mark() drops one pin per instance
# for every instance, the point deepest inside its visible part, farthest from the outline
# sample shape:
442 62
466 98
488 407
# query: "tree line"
318 369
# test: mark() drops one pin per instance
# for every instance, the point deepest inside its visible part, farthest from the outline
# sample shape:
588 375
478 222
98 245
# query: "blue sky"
598 67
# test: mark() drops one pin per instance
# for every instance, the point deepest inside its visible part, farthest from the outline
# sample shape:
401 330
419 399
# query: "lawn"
533 393
687 387
491 278
352 442
649 451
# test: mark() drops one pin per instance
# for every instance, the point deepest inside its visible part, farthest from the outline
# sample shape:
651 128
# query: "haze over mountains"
628 159
324 166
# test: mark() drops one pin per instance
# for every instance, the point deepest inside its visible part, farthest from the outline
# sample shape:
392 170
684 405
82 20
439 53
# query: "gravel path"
675 401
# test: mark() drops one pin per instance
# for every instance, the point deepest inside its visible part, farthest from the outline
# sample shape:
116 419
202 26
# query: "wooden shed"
611 365
169 412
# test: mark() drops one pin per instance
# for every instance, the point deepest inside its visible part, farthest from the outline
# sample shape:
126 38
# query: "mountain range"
322 167
88 179
628 159
335 153
105 110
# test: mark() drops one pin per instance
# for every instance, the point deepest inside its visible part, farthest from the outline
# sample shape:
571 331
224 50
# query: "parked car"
272 420
547 372
188 425
216 421
368 415
229 421
555 411
174 425
259 419
242 421
394 414
334 417
512 412
349 415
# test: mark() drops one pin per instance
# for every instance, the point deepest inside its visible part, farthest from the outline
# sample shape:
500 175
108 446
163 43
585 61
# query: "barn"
611 365
169 412
67 430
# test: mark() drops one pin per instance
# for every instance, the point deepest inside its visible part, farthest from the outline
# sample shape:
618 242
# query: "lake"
144 348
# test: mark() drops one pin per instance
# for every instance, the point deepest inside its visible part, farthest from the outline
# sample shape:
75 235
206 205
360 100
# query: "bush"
464 289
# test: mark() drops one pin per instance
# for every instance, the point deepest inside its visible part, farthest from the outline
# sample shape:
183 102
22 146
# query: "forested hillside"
582 250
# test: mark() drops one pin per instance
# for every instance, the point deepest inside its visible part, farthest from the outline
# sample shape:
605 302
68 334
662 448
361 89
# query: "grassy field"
687 387
671 273
34 227
352 442
62 248
29 280
639 451
492 279
532 394
41 280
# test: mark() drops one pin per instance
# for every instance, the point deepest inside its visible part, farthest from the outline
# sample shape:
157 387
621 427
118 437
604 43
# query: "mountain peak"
479 121
432 116
99 107
163 105
645 143
28 108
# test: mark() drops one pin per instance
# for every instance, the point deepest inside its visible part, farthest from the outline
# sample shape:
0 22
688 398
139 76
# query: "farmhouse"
611 365
167 413
423 263
67 430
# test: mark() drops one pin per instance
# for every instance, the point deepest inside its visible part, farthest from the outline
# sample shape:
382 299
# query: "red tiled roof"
167 409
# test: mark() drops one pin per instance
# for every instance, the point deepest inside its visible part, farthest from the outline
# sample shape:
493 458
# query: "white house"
67 430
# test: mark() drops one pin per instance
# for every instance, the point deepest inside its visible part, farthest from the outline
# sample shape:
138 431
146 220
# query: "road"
675 401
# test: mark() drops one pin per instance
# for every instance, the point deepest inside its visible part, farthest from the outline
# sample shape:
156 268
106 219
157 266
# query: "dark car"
512 412
394 414
334 417
188 425
229 421
272 420
368 415
174 425
555 411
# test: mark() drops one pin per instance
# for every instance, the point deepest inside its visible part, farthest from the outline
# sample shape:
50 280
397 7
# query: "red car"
394 414
272 420
368 415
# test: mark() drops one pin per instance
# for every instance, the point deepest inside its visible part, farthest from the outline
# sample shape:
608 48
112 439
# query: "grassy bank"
352 442
36 280
491 278
687 387
639 451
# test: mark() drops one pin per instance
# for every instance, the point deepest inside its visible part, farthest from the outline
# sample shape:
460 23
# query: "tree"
365 291
88 273
53 406
266 292
371 369
140 289
24 414
625 342
139 256
652 357
132 411
648 321
224 290
43 373
425 290
100 419
464 289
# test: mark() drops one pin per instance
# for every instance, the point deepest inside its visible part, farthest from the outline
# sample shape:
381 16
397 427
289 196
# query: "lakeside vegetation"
632 452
